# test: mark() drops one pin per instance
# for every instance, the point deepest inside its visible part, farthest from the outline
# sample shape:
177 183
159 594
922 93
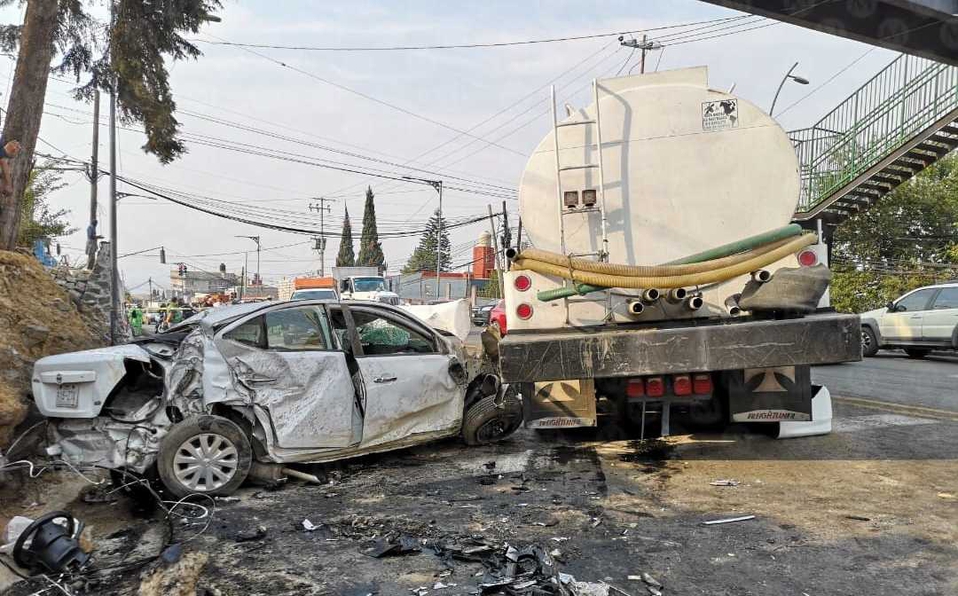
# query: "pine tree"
346 256
131 56
424 257
370 250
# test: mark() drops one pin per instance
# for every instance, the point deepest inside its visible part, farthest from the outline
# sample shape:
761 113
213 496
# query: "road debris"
257 533
49 543
302 475
651 580
728 520
858 517
309 526
393 545
724 482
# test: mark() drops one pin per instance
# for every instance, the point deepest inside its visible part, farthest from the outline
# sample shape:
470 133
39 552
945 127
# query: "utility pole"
256 240
115 286
645 45
439 242
495 252
94 179
150 281
323 208
506 233
642 67
437 185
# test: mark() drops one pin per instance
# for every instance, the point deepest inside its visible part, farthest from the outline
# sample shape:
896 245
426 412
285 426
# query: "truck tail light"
654 387
524 311
807 258
522 283
682 385
635 388
702 384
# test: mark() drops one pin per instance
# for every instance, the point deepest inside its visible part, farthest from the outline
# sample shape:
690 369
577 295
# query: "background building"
185 283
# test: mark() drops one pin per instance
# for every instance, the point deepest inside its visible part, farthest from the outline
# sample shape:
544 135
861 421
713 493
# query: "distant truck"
363 283
664 272
288 288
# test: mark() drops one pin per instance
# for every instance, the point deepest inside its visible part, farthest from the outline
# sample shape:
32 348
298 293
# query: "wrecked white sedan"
267 384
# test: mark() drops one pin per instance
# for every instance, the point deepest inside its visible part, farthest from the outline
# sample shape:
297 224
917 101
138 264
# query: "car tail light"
635 388
682 385
524 311
807 258
654 387
702 384
522 283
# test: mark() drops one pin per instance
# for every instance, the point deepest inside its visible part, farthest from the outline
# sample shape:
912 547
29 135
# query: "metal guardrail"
901 101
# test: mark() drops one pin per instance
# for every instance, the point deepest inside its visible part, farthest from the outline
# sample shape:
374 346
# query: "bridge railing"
902 100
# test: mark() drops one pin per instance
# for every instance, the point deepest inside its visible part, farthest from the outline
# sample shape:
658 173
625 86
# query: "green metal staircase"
897 124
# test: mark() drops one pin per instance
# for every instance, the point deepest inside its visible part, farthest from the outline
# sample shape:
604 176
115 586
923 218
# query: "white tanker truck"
657 269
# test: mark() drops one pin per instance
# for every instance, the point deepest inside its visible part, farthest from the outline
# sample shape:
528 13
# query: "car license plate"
67 396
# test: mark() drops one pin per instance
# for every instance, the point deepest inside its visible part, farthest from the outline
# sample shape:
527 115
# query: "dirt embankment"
37 318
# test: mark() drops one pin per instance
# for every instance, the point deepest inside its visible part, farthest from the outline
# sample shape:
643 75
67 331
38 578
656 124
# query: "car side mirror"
891 306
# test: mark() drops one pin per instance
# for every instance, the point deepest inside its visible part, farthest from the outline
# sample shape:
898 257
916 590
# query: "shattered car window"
379 335
303 328
250 333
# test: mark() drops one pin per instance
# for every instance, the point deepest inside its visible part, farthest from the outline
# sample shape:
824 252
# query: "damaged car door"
408 375
289 363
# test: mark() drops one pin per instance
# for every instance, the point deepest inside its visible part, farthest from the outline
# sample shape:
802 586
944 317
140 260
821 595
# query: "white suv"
922 320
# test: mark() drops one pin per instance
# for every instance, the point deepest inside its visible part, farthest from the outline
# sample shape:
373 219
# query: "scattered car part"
301 475
52 547
728 520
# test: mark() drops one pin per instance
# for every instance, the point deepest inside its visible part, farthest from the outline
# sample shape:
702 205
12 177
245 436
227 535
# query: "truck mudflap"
679 347
559 404
770 394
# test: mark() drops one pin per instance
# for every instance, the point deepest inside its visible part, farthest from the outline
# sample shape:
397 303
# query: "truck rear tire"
485 422
206 454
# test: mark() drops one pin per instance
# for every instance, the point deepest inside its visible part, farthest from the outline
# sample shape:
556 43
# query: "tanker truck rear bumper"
721 370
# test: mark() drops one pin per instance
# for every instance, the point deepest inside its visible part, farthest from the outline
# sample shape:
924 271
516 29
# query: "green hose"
741 245
707 255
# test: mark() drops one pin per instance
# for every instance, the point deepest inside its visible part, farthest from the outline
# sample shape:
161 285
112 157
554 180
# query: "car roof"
947 284
213 317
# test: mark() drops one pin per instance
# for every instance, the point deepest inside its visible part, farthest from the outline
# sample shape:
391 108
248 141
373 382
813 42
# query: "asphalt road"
890 376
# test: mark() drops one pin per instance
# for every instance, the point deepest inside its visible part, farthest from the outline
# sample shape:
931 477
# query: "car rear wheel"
917 353
206 455
869 342
486 422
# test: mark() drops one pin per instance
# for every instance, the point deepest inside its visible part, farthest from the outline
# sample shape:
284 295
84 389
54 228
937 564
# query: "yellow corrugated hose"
674 276
552 258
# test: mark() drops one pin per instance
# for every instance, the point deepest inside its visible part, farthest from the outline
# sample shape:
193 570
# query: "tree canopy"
370 249
145 35
38 220
424 257
346 257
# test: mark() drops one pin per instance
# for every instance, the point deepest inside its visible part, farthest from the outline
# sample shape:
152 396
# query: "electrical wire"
525 42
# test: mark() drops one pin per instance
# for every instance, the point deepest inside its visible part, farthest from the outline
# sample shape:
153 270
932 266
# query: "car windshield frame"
365 284
306 294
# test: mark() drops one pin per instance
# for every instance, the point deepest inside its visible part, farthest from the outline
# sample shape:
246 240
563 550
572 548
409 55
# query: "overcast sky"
458 88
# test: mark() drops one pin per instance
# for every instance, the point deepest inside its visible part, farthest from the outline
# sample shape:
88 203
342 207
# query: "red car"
498 316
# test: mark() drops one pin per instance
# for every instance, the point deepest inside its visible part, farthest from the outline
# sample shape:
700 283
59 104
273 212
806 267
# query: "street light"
123 195
788 75
437 185
256 240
